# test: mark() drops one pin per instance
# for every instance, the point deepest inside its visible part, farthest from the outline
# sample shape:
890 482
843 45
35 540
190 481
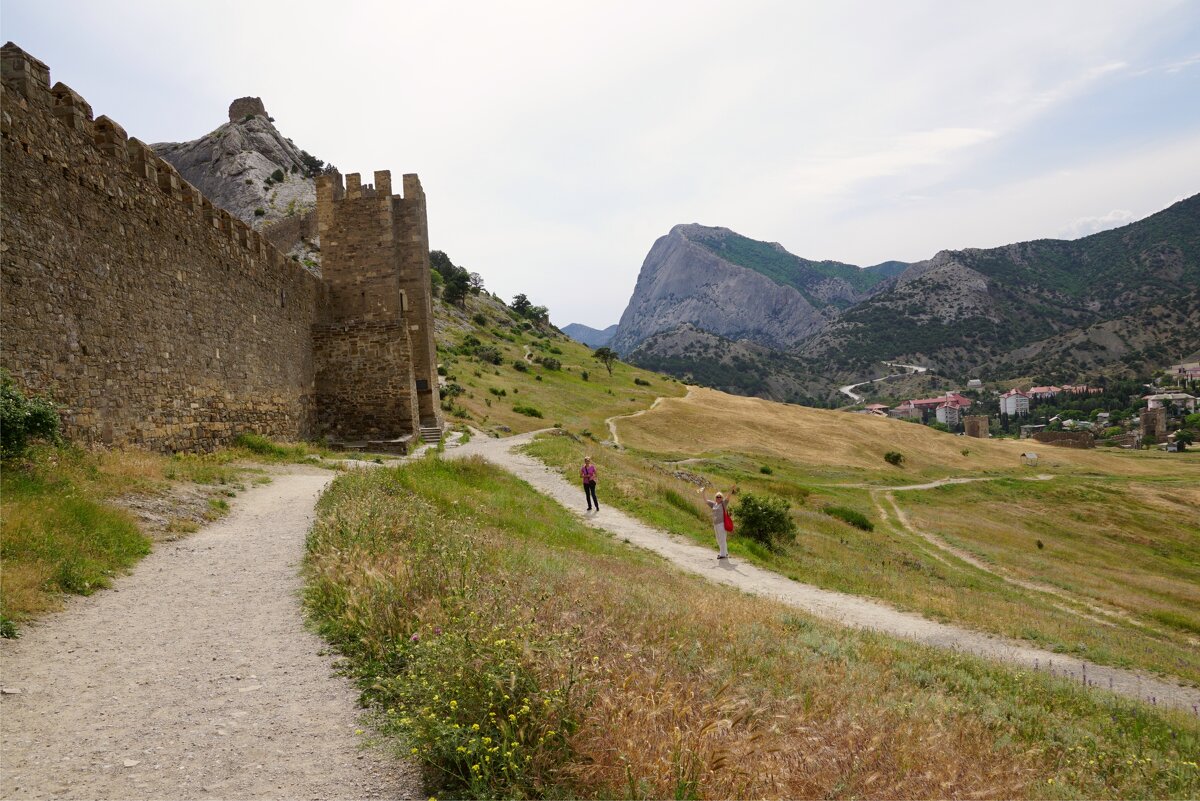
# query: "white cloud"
1083 226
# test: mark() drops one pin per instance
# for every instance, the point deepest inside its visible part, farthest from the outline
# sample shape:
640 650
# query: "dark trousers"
589 490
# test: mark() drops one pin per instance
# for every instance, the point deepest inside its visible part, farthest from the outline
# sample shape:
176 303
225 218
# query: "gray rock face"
234 166
684 283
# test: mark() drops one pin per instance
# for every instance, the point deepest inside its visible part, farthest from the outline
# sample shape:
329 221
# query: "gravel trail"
849 610
194 677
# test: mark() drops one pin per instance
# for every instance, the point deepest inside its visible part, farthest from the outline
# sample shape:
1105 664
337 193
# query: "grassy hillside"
520 653
501 368
1101 561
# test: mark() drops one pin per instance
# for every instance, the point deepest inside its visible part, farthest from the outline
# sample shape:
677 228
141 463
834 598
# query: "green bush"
765 518
488 354
480 319
550 363
894 457
766 470
260 212
854 518
641 382
585 375
520 366
499 393
277 176
528 411
23 419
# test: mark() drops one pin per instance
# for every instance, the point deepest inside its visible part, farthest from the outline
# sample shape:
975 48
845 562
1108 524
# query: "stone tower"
376 361
976 426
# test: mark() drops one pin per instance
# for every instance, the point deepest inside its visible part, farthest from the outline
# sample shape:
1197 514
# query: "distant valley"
718 308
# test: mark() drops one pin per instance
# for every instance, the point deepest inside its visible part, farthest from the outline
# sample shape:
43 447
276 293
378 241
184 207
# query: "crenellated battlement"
28 80
157 318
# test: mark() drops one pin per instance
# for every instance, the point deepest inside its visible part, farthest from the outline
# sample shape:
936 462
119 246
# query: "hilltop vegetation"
771 260
506 372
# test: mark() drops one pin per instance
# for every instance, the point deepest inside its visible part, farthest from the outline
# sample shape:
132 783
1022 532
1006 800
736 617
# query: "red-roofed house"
1014 403
1044 393
933 403
949 413
906 411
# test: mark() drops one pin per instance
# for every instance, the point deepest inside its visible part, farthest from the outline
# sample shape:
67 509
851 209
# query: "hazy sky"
557 140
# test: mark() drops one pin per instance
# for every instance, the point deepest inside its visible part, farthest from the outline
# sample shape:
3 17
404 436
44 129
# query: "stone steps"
431 434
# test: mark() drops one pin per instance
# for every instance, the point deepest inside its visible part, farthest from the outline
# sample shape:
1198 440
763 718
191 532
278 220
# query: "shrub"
260 212
766 470
528 411
452 390
442 370
765 518
641 382
479 319
894 457
488 354
23 419
585 375
851 516
557 351
499 393
277 176
550 363
520 366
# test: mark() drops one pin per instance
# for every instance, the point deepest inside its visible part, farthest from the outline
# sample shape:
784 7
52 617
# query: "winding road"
909 369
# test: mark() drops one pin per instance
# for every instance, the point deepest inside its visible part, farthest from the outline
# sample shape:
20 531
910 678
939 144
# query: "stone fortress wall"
152 316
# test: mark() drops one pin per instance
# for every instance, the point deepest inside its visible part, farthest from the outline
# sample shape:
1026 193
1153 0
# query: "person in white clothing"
720 507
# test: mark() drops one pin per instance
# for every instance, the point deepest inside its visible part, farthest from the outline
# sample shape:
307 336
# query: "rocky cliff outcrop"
684 282
246 166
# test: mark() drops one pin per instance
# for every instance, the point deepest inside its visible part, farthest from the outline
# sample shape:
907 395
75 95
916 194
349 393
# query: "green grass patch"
58 537
851 516
516 652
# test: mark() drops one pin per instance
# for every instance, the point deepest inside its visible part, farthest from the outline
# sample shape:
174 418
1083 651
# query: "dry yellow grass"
708 421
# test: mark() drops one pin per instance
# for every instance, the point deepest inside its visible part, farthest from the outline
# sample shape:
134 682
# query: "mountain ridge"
1113 301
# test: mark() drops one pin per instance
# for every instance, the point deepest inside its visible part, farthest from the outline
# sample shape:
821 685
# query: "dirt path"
611 422
194 677
839 607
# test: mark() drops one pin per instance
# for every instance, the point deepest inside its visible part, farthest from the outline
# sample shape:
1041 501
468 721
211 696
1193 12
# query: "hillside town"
1159 412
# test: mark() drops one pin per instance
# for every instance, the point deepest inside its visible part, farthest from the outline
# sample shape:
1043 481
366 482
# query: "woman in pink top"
588 474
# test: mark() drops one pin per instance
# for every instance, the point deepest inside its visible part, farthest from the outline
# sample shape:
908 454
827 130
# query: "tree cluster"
523 306
456 282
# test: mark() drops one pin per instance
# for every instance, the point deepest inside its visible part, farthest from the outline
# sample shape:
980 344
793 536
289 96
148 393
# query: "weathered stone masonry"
153 317
378 345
